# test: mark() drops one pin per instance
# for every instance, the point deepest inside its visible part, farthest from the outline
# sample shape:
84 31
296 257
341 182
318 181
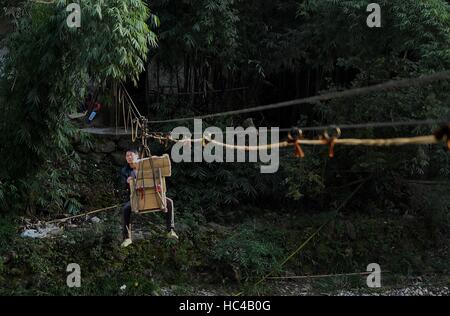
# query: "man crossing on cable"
127 175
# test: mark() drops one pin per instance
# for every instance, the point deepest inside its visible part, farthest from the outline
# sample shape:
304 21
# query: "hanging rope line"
393 84
84 214
131 102
306 242
320 276
428 122
296 140
295 135
419 140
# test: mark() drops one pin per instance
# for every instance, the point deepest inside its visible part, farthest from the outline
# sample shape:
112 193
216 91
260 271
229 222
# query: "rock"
30 233
95 220
98 158
105 147
42 232
183 228
76 138
351 230
83 149
124 144
118 158
138 235
54 231
218 228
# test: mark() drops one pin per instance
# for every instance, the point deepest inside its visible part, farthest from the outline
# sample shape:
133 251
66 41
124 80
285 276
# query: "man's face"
130 157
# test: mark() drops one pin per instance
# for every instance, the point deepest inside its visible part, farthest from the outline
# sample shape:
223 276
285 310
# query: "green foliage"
252 250
230 187
303 178
279 50
205 30
46 74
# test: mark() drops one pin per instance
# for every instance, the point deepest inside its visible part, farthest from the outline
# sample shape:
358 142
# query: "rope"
84 214
345 126
375 125
198 92
303 245
125 118
322 276
143 123
116 107
133 105
160 136
393 84
418 140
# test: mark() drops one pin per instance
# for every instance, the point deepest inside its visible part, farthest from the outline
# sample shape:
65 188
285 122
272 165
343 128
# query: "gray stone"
76 138
218 228
351 232
124 144
98 157
95 220
138 236
105 147
183 228
83 149
118 158
55 231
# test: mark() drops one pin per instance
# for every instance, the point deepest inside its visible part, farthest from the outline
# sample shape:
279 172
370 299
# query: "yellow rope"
321 276
419 140
336 212
84 214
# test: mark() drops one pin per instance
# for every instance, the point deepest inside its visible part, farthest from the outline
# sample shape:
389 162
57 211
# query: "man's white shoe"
126 243
172 235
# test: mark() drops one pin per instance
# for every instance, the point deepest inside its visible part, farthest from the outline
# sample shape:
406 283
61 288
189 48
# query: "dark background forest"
187 58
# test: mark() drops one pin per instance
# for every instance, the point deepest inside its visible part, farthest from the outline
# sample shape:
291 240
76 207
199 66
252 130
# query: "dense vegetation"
193 57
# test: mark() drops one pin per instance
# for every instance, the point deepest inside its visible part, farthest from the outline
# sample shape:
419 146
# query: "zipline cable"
375 125
393 84
440 135
416 123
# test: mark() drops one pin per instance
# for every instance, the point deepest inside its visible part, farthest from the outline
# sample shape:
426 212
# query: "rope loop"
294 136
206 139
443 134
331 140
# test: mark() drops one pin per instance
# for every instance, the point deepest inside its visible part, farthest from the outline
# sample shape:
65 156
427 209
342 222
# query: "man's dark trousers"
126 220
